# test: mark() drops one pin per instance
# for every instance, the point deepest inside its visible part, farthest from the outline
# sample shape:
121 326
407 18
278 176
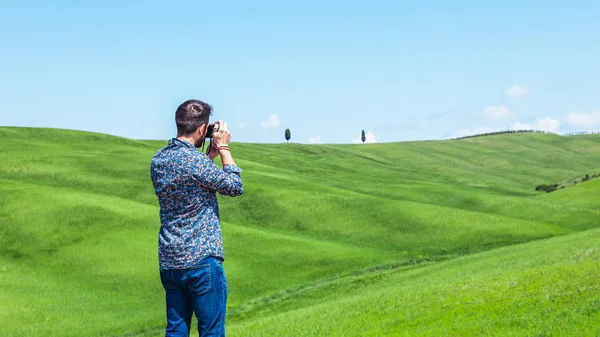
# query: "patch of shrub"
585 178
546 187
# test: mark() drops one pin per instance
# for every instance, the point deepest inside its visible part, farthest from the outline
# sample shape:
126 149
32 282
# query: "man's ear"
201 131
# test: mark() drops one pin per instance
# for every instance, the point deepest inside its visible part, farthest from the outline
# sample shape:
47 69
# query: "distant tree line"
521 131
501 133
582 133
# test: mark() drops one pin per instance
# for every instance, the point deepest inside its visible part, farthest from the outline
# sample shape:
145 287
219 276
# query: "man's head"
192 118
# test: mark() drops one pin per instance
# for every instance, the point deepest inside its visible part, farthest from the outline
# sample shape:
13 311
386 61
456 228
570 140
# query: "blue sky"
401 70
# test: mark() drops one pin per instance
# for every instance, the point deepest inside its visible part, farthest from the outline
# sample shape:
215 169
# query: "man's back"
186 181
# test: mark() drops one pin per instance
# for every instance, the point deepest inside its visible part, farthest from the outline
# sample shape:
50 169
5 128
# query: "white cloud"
272 122
547 124
520 126
369 138
498 112
315 140
477 131
243 125
485 129
584 120
517 91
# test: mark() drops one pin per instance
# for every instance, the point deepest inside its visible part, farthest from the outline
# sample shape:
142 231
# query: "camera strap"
209 146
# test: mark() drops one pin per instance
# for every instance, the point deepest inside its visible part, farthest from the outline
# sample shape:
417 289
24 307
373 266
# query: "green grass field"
439 238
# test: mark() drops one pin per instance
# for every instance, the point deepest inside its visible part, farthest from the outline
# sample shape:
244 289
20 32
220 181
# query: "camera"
212 128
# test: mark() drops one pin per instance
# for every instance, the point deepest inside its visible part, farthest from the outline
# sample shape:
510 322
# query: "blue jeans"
201 289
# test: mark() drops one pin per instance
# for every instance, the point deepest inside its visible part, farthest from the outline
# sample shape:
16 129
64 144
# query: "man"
190 247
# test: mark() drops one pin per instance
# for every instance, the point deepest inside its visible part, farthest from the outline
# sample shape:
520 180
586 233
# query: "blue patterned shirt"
186 181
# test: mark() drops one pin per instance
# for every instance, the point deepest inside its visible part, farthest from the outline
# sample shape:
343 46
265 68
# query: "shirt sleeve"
226 181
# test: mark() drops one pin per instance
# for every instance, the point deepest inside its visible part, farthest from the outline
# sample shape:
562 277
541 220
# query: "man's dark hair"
190 115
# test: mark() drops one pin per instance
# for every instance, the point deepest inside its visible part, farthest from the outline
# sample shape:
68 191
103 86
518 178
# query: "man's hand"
222 136
221 140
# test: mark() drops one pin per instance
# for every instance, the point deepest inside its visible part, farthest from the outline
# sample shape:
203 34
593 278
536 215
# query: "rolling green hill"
415 238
